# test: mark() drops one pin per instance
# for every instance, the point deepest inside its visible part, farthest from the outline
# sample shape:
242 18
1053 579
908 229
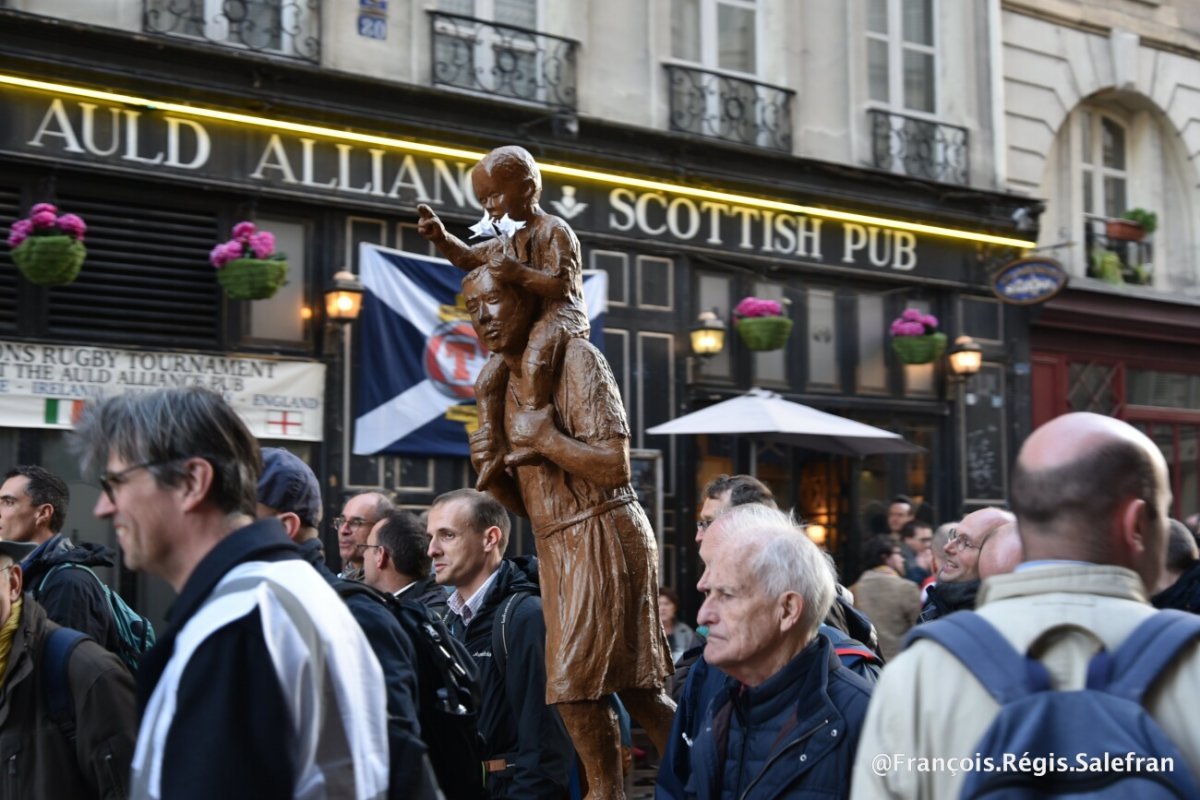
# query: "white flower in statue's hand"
484 229
506 227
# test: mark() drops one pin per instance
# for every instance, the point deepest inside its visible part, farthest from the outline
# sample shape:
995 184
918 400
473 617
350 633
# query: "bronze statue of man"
597 554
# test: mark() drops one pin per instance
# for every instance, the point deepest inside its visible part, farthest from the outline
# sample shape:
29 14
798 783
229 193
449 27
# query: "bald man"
1001 553
1091 496
958 578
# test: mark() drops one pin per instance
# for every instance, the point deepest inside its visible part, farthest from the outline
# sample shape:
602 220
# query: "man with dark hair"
397 561
529 752
288 491
359 515
33 507
727 491
1091 495
891 602
263 685
1179 586
915 538
69 717
901 511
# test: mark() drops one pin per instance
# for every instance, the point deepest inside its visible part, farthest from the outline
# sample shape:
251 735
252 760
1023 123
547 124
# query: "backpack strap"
859 651
1152 647
56 658
1006 674
500 629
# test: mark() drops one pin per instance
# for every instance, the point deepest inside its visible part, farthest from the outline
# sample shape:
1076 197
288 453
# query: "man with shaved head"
1091 497
1001 553
958 579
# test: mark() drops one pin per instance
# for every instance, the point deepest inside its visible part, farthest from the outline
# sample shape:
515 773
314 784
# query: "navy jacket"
72 597
704 683
514 717
794 735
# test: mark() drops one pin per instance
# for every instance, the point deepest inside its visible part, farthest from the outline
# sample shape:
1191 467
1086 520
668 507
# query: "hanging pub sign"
1029 281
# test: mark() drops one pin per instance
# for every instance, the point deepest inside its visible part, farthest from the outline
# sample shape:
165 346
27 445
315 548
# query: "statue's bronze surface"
553 445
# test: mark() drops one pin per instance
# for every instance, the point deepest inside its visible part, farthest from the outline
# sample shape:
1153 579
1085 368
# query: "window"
283 317
716 34
1103 164
289 28
901 49
485 54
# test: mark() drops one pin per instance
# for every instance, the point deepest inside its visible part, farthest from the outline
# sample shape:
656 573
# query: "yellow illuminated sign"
598 176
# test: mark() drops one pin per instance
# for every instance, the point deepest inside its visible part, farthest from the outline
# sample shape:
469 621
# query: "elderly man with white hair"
788 718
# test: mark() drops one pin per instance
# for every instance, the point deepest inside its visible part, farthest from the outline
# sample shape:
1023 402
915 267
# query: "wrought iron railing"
920 147
1115 258
290 28
503 60
721 106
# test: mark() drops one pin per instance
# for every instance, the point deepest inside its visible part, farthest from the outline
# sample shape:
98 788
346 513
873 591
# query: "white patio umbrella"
760 414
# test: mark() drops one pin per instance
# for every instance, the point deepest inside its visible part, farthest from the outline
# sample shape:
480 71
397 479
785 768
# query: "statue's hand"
530 430
429 225
484 447
505 269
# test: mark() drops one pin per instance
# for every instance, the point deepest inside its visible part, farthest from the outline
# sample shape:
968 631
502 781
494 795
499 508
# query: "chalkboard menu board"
984 427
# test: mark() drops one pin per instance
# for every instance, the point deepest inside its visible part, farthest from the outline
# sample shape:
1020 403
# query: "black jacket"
514 717
946 598
72 597
427 592
411 774
1183 594
36 757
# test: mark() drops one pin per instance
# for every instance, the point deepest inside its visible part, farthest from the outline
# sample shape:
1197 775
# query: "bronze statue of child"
545 261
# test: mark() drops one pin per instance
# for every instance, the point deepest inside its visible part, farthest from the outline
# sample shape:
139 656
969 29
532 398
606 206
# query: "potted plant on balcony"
915 337
48 247
761 323
1131 226
248 268
1106 266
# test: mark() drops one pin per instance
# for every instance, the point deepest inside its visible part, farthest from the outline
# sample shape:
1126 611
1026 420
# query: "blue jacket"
704 683
73 597
794 734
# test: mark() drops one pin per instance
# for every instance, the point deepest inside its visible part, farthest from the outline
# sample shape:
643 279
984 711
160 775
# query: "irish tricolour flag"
63 412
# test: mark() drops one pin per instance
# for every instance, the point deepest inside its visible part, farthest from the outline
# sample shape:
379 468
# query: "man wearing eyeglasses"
958 579
262 685
353 526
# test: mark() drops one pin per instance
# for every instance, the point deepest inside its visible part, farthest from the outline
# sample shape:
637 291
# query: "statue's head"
500 312
507 181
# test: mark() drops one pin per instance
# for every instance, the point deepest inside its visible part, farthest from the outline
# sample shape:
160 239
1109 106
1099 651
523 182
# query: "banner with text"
47 385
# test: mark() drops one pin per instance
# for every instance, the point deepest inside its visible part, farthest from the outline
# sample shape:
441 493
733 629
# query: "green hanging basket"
919 349
764 333
50 260
252 278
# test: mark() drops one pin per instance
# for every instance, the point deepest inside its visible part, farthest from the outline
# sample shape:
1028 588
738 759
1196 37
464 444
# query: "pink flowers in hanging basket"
44 220
914 323
247 242
757 307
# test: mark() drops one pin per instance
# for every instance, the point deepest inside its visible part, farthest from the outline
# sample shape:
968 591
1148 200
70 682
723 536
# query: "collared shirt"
470 608
401 591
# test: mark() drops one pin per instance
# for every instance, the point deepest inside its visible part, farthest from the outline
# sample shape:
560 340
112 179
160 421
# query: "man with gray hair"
262 685
788 718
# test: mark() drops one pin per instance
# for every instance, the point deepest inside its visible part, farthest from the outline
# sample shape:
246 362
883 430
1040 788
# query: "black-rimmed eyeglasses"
109 481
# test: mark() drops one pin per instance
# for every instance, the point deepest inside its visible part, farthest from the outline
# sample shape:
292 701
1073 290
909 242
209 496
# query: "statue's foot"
523 457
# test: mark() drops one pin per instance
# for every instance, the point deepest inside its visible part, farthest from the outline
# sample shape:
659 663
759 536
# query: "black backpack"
448 694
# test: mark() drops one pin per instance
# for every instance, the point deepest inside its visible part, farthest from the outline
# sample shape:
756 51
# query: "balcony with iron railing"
721 106
288 28
503 60
1118 252
920 148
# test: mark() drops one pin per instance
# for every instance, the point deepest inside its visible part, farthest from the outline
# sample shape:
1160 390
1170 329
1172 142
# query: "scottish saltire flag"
420 355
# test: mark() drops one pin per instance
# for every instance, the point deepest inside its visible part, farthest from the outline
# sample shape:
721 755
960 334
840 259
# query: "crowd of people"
420 670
